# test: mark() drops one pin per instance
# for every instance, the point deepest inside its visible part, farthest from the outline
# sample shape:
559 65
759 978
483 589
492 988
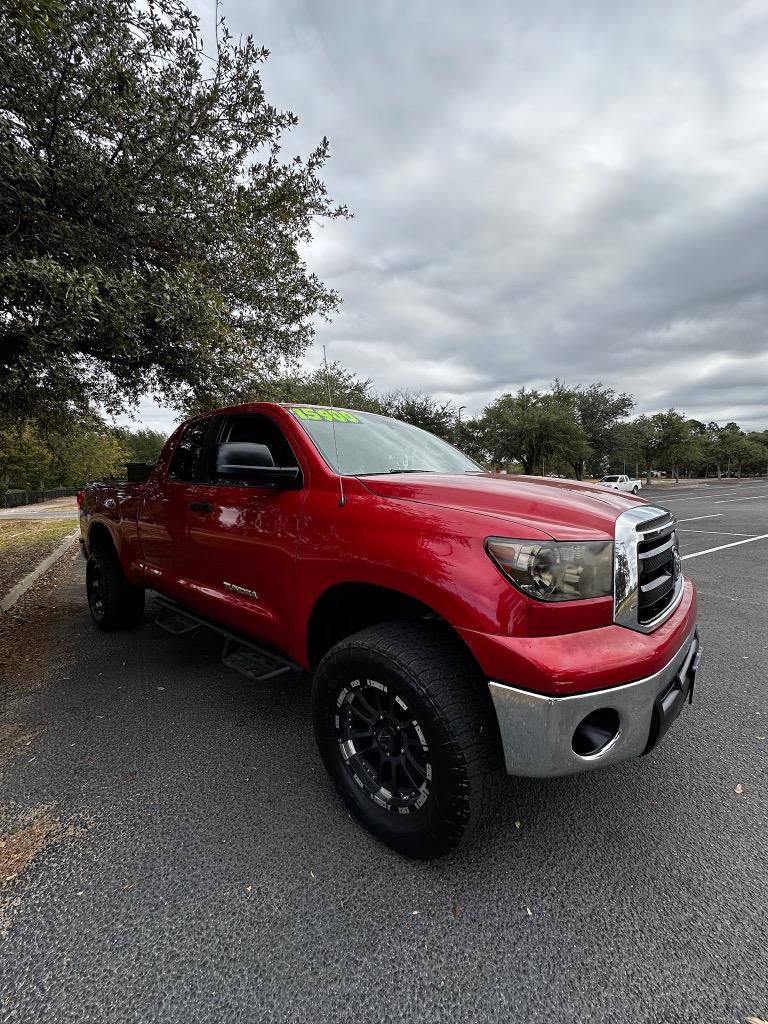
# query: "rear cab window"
186 465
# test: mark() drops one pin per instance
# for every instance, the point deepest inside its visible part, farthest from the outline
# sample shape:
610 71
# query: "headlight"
554 571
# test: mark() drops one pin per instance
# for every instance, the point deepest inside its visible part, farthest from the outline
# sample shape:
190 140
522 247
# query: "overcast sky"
540 189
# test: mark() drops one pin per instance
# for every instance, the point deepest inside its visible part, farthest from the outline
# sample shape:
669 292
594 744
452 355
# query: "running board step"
175 621
251 661
239 653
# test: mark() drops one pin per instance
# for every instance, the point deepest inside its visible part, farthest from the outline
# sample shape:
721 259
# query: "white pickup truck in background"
620 482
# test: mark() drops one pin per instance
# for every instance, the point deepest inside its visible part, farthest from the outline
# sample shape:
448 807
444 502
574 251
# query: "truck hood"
563 509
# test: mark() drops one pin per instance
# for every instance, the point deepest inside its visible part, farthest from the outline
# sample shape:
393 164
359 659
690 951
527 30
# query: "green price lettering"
329 415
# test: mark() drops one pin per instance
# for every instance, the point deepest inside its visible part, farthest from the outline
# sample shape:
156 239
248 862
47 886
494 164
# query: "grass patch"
16 533
24 544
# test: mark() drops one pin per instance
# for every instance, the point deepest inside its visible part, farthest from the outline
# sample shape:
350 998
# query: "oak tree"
151 231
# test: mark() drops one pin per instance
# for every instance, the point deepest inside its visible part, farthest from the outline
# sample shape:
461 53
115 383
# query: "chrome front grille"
658 523
656 572
647 580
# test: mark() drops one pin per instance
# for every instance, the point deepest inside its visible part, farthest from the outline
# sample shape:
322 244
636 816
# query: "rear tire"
114 603
407 731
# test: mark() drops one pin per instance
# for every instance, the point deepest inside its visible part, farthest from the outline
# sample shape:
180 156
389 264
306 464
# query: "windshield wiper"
386 472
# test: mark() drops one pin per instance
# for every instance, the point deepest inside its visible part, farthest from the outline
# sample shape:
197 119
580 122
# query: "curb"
21 588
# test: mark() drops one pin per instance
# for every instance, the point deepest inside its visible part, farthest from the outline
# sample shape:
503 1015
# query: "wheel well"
349 607
99 536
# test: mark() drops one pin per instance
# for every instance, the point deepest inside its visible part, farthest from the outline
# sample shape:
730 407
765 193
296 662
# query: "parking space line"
696 497
752 497
693 519
682 490
720 533
733 544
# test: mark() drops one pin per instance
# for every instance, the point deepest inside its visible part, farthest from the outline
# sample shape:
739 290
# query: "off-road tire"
113 602
444 690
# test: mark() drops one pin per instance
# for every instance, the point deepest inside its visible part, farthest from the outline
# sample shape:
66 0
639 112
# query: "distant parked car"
620 482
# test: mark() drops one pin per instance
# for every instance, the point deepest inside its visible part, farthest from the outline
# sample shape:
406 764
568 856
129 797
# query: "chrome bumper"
538 731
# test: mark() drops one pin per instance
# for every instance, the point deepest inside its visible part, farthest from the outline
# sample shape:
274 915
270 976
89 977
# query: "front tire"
113 602
635 489
407 732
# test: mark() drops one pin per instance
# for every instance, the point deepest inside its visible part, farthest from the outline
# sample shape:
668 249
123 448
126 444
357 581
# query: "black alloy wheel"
406 729
114 603
383 745
95 590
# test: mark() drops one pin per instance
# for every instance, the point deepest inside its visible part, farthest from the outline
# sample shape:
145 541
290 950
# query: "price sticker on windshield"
329 415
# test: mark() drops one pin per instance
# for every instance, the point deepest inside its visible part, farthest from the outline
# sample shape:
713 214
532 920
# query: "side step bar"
174 621
239 653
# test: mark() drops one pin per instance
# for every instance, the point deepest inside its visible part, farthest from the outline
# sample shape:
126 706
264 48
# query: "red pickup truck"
459 625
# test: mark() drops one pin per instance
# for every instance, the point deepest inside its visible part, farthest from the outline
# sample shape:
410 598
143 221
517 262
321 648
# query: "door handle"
201 506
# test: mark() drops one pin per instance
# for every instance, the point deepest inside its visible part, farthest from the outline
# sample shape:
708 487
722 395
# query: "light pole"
457 428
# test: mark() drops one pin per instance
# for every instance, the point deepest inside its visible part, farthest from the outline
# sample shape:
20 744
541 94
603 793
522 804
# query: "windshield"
609 480
369 444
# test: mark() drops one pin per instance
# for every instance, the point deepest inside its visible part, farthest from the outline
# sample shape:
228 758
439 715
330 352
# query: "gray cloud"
540 189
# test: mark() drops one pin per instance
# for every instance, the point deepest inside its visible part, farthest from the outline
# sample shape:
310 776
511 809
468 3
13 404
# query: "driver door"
245 541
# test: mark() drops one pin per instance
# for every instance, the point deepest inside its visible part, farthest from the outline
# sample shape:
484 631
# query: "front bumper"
546 736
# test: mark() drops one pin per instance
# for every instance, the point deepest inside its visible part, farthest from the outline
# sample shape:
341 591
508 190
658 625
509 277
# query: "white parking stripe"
682 490
673 488
700 497
752 498
693 519
720 533
734 544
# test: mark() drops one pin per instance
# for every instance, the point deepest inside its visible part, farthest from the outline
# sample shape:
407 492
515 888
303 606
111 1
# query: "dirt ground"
30 648
27 629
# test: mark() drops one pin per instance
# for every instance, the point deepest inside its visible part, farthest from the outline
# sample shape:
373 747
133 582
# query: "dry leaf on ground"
21 847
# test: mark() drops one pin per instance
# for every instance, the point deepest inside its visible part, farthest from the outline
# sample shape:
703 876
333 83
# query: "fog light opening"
595 732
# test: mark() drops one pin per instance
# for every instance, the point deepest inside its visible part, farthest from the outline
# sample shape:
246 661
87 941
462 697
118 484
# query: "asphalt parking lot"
201 869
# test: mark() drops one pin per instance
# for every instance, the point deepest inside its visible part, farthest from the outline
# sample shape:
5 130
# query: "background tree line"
578 432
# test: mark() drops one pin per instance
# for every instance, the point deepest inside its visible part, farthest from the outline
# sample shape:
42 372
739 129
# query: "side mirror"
253 464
